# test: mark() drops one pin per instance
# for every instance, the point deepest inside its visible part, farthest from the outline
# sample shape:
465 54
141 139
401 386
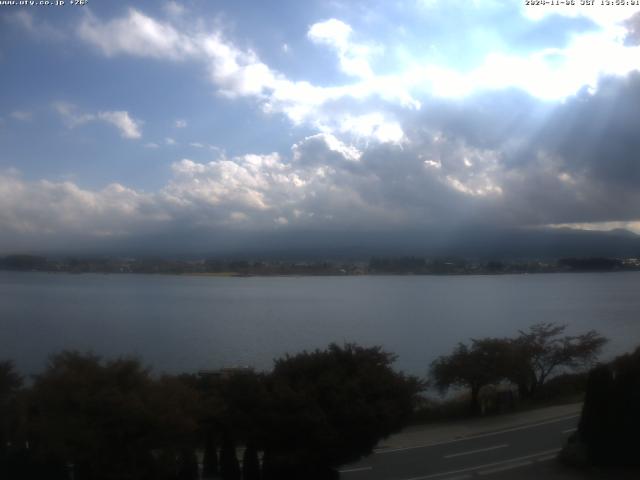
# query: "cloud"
51 208
174 9
72 117
324 149
129 128
353 57
632 24
241 73
369 106
257 192
136 34
571 164
37 29
21 115
430 146
181 123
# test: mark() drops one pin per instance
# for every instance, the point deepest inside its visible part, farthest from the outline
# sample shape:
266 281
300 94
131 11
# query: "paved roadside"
421 435
521 445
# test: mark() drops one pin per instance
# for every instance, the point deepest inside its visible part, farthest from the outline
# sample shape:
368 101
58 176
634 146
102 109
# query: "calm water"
185 323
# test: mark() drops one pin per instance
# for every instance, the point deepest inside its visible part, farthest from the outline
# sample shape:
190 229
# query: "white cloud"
181 123
372 125
434 177
331 32
136 34
174 9
380 99
316 186
39 30
70 114
170 141
324 149
151 145
241 73
24 19
353 57
601 226
52 208
21 115
129 128
73 117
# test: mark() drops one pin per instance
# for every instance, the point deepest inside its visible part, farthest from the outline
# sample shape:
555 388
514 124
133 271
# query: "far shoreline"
312 275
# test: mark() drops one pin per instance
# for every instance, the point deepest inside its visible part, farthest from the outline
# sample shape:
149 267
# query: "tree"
210 457
610 420
229 466
541 351
594 427
187 465
10 383
10 380
329 407
483 363
250 464
109 418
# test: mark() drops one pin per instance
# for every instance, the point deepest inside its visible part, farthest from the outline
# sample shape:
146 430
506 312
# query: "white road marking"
359 469
472 437
569 430
471 452
505 468
546 458
487 465
459 477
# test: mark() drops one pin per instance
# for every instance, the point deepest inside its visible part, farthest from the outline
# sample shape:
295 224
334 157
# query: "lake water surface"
184 323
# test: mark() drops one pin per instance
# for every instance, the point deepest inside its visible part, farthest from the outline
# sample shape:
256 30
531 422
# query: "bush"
331 407
610 420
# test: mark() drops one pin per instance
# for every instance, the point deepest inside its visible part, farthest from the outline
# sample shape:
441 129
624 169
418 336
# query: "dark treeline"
526 362
91 419
423 266
158 265
376 266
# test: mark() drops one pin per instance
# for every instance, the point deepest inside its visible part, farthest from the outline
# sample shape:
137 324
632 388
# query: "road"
485 455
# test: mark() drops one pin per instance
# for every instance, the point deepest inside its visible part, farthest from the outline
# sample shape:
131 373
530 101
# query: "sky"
207 122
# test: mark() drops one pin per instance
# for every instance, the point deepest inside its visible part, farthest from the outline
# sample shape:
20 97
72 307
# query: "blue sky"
124 119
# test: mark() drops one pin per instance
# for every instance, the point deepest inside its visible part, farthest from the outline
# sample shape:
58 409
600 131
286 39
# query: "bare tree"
541 351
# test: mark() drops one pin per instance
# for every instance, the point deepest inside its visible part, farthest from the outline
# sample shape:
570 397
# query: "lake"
185 323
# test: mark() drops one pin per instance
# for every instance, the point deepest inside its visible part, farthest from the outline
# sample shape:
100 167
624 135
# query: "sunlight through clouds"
358 116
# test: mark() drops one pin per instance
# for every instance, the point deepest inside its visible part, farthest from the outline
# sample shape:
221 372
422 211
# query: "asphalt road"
489 455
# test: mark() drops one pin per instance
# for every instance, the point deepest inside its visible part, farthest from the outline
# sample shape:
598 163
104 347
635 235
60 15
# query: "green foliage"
114 420
329 407
107 417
